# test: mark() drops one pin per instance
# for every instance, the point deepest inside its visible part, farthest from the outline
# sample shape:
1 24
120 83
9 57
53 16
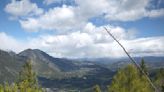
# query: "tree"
27 75
159 80
96 88
1 88
14 87
7 88
28 80
143 67
128 80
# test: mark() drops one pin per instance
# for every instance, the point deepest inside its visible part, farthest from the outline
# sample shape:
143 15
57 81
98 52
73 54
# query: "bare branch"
133 61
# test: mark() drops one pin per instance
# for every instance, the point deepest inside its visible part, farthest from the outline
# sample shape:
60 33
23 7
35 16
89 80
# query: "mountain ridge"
47 66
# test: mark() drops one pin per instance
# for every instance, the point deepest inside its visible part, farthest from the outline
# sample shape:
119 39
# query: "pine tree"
28 80
27 75
143 67
96 88
128 80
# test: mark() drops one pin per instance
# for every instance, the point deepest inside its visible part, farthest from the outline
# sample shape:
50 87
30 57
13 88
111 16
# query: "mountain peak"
32 53
32 50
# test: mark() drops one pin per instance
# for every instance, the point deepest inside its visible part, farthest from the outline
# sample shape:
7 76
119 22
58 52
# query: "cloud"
116 10
69 17
22 8
119 10
48 2
91 8
9 43
156 13
91 41
58 18
81 38
146 46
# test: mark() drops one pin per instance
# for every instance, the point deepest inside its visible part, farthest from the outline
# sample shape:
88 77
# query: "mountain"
152 62
53 72
44 60
10 65
45 65
41 65
50 67
65 73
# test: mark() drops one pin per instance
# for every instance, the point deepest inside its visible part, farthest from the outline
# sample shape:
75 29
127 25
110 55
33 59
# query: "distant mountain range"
62 72
115 63
44 65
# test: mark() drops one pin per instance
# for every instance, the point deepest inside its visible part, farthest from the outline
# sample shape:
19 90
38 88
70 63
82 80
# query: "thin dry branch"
133 61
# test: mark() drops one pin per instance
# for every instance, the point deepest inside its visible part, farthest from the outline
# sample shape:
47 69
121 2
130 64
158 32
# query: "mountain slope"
10 65
41 65
44 65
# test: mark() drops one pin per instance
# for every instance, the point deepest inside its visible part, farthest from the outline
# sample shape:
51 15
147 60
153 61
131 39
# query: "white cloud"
75 17
9 43
91 8
122 10
156 13
30 24
48 2
115 10
84 39
146 46
91 41
58 18
22 8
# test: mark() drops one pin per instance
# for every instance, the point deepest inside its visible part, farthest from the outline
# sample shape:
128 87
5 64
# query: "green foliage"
159 81
1 88
27 76
27 79
96 88
143 67
9 88
128 79
27 82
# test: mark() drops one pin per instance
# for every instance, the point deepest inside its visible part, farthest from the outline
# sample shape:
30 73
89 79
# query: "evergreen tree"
159 80
128 80
96 88
27 75
143 67
28 80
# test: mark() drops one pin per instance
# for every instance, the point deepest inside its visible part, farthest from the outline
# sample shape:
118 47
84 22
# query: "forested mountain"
45 65
65 73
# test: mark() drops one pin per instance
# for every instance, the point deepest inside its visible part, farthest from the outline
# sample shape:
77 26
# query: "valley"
67 74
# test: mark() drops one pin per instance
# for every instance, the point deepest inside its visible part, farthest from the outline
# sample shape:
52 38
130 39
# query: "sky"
75 28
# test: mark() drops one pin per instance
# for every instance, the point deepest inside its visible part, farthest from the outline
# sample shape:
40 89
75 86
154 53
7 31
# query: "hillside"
45 65
10 65
62 73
